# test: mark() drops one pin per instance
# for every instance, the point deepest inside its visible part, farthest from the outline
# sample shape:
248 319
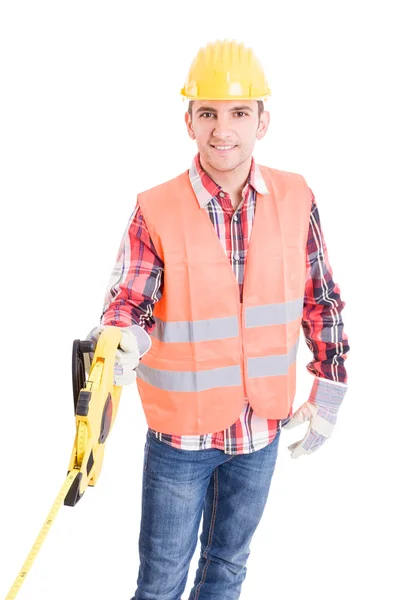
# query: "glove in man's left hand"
321 411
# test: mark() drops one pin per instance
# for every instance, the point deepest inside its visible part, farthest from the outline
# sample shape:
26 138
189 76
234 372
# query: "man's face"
219 123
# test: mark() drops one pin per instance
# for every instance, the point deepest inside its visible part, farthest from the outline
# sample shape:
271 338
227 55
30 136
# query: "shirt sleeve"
322 320
136 281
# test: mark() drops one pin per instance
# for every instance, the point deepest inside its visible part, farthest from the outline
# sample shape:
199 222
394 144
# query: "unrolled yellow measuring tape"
42 535
96 403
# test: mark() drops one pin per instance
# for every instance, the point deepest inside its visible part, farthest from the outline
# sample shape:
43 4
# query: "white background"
91 115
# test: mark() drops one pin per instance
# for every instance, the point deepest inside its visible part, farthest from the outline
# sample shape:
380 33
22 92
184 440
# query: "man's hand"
134 343
321 411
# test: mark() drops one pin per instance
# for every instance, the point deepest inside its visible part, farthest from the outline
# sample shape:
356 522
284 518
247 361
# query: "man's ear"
263 125
188 122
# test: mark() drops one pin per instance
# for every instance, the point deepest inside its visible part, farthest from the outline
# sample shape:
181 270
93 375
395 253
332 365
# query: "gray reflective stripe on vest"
196 331
206 330
265 366
190 381
274 314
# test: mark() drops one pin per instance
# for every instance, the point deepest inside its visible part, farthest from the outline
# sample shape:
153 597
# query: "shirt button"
236 257
222 194
235 217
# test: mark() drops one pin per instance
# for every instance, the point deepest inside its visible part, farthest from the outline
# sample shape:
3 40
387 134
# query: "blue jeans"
177 487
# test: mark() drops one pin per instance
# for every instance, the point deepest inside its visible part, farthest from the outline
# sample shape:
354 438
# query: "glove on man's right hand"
128 353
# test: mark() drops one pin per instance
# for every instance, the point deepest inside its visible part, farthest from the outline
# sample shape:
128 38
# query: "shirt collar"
206 188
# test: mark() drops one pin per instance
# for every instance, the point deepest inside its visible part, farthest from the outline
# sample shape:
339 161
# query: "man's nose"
222 126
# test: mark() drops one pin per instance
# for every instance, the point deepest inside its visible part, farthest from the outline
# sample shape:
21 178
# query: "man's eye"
203 114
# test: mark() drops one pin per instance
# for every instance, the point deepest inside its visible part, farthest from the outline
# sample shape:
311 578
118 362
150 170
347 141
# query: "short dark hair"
259 102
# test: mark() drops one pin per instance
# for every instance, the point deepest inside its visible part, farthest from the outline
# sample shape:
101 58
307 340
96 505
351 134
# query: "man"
216 376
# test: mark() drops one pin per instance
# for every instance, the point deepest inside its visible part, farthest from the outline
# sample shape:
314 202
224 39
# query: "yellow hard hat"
225 70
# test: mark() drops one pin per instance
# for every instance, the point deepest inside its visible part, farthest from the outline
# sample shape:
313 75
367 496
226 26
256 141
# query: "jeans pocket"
146 452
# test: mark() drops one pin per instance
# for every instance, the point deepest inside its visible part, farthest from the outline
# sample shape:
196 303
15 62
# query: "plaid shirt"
136 285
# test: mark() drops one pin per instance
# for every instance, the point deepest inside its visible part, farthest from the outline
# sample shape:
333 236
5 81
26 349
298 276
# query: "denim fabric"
178 486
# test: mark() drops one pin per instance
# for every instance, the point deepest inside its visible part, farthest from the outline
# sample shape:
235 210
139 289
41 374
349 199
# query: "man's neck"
232 181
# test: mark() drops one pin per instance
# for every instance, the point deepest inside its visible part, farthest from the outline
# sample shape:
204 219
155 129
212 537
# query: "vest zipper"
243 354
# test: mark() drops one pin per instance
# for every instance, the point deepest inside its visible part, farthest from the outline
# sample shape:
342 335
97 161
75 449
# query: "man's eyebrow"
234 108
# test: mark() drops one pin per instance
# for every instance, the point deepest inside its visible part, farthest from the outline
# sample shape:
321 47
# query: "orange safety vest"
209 351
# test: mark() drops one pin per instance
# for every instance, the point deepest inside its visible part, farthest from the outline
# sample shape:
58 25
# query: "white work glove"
134 343
321 411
